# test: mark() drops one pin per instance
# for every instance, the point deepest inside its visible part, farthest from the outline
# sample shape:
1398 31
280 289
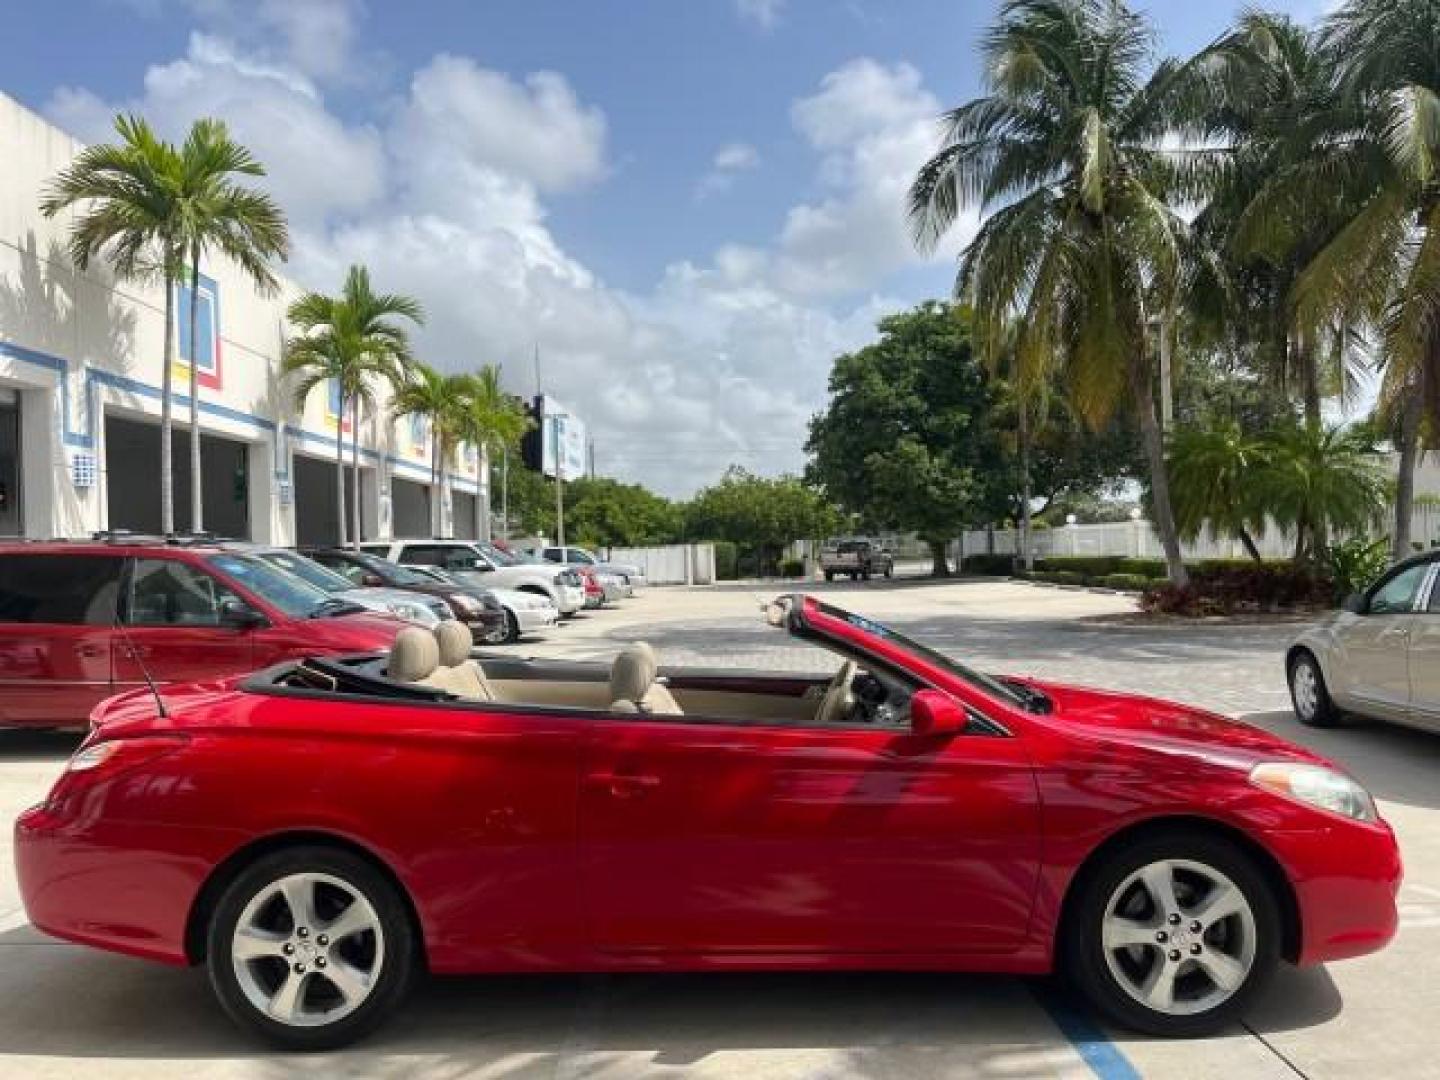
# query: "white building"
80 370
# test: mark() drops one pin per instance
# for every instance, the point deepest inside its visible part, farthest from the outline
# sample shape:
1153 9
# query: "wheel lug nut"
1195 949
287 949
1161 936
320 961
1173 920
1174 954
1195 927
322 940
305 932
299 969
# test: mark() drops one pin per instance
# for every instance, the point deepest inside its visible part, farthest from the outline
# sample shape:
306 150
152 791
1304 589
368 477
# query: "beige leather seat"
414 655
457 672
633 687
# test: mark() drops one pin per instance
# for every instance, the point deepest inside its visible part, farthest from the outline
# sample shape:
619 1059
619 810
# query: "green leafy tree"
601 512
1080 245
1320 481
906 441
354 341
439 400
487 418
761 515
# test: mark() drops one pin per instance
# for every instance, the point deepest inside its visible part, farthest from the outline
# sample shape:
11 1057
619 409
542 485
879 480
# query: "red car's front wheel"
311 947
1173 935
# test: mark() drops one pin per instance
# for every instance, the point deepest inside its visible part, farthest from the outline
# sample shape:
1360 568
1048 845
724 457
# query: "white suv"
487 566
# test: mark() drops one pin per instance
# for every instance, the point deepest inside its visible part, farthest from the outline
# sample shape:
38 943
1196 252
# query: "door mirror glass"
935 713
1355 603
239 615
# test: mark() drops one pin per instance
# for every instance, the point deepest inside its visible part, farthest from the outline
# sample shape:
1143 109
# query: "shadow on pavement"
74 1003
1297 998
1397 764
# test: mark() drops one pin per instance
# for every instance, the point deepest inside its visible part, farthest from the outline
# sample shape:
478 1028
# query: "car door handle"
624 785
1395 631
136 652
88 651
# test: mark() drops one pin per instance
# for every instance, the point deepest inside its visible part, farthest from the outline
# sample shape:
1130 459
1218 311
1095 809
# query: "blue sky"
688 205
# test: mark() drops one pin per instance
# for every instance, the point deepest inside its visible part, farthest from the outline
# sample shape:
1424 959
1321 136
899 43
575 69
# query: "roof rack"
127 536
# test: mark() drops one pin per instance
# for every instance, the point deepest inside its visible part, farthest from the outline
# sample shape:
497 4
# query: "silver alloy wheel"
1179 937
308 949
1305 688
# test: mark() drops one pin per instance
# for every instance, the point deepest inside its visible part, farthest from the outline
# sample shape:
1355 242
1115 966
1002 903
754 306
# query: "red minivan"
81 620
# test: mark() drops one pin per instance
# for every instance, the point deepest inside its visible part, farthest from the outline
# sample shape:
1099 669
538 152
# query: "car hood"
1166 727
367 631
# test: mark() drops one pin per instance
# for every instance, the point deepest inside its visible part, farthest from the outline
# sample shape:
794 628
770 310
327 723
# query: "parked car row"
82 620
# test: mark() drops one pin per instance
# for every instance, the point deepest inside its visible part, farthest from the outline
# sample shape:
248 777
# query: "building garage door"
463 525
132 479
409 508
314 489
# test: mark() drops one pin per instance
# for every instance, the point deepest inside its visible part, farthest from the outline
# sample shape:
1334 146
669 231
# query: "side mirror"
936 713
1355 603
239 616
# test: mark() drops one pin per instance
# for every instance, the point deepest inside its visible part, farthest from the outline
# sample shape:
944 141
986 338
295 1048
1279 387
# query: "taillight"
109 758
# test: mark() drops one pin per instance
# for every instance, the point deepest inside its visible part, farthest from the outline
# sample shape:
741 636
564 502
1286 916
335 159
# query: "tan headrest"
632 674
413 656
455 642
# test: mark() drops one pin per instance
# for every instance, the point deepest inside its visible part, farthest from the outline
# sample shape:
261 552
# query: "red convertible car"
320 833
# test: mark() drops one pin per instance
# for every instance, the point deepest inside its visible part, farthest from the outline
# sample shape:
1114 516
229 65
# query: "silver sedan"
1379 656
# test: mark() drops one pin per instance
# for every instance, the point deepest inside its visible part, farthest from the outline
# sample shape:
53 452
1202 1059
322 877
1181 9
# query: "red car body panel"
532 839
54 674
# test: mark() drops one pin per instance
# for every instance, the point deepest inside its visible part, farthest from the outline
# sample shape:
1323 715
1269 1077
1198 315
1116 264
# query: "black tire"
829 575
889 570
1321 711
397 971
512 629
1081 949
865 575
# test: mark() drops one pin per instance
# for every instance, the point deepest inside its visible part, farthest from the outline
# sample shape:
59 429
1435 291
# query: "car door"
1375 645
171 611
723 838
57 616
1425 657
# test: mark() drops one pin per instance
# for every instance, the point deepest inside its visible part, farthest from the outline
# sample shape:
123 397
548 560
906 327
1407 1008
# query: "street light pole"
559 484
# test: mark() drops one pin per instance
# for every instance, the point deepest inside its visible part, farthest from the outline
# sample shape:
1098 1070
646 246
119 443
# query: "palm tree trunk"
197 502
1249 542
355 473
1159 481
1408 445
167 406
436 515
340 471
1026 548
1309 380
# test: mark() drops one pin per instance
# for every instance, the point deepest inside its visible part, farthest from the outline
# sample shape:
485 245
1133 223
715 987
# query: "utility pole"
559 484
505 492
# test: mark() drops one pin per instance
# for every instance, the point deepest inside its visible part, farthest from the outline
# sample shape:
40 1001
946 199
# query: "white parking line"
13 921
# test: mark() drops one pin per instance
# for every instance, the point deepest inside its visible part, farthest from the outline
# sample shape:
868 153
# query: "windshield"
285 591
994 687
307 570
496 556
389 572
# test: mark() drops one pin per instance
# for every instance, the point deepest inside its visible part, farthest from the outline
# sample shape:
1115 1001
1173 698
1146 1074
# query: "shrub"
1220 587
1147 568
1357 564
1085 565
792 568
726 568
1059 577
988 564
1128 582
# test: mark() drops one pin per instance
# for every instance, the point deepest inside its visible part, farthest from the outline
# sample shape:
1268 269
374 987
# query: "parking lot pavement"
70 1009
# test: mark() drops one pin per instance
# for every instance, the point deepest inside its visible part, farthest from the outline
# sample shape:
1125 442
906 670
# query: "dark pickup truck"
858 559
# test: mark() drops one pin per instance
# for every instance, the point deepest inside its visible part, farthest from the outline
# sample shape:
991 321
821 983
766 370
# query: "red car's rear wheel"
1173 935
311 947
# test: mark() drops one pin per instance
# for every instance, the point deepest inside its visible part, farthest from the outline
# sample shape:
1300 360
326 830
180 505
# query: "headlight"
1316 786
466 603
409 612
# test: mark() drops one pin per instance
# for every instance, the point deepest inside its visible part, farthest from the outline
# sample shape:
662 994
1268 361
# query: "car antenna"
160 709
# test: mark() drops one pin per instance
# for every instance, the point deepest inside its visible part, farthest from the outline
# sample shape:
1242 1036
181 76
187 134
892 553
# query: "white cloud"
724 360
763 13
730 159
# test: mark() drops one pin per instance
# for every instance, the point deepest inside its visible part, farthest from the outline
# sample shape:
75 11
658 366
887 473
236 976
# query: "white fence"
1139 539
673 564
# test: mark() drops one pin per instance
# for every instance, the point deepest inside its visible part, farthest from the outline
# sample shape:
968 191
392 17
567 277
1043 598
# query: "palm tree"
215 212
1382 267
440 401
1080 245
1319 481
351 340
488 418
129 212
1215 473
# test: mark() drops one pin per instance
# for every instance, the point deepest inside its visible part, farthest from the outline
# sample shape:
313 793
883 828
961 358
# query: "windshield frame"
309 571
291 596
